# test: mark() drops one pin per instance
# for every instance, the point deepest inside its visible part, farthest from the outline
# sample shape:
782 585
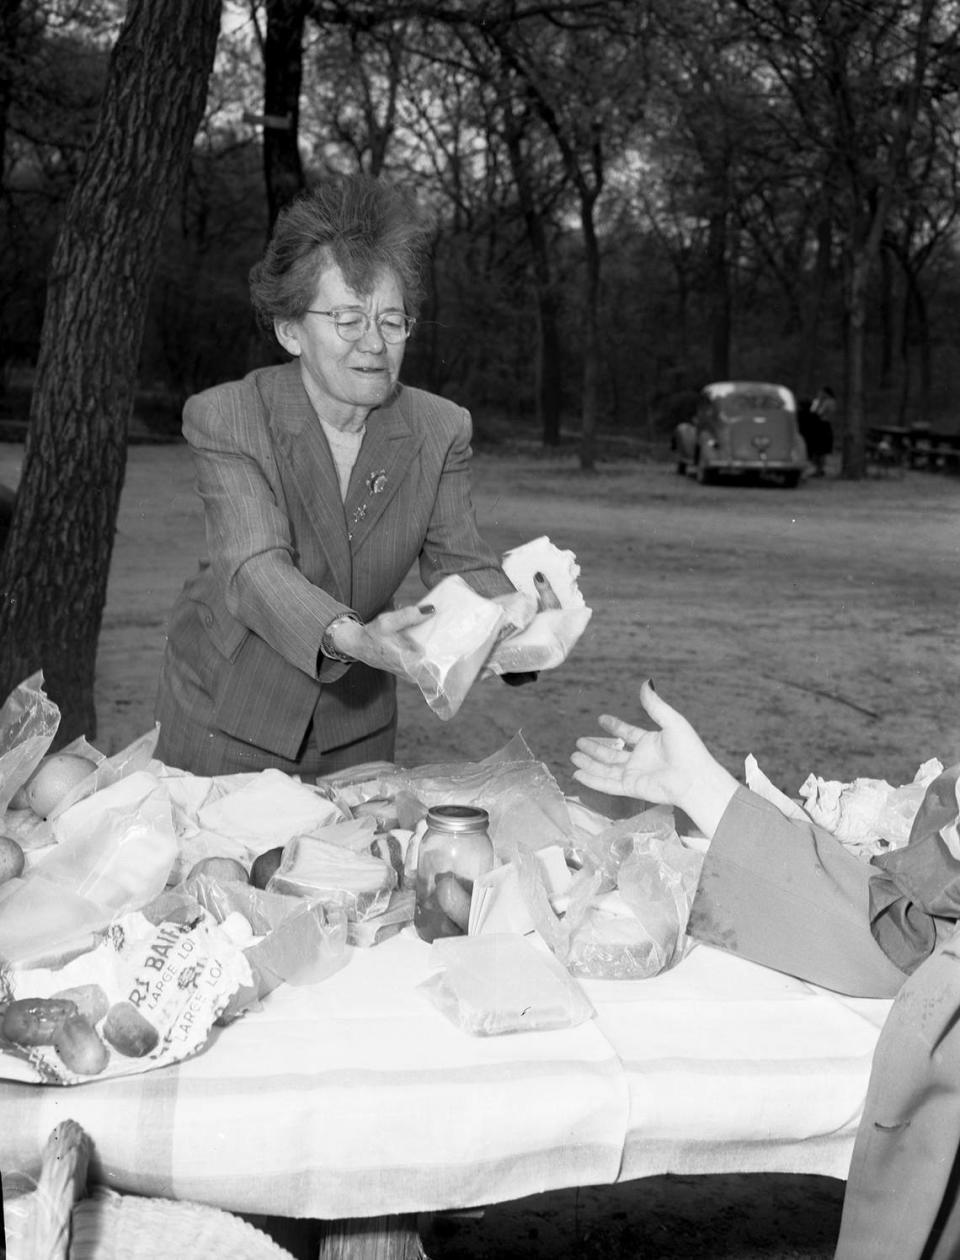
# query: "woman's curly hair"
363 225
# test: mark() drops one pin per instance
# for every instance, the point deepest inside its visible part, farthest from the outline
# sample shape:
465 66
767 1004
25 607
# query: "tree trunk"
549 368
854 449
549 374
282 76
54 570
809 348
719 296
10 27
590 405
926 364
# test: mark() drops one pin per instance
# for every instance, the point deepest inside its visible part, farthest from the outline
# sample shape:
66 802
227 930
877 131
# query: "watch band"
326 643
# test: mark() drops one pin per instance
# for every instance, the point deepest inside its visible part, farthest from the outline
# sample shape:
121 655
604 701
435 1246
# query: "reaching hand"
669 766
380 643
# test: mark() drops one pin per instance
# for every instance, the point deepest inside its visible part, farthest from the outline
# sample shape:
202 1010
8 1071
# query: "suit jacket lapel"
308 470
389 446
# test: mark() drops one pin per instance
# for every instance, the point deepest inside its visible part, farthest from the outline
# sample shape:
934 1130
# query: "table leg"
371 1238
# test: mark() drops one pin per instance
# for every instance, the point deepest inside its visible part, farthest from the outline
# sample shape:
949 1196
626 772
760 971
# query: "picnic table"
357 1101
914 446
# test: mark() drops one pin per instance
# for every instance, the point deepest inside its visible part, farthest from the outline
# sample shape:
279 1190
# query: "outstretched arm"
668 766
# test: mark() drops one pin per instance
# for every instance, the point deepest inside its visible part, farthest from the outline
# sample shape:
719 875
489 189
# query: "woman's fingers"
405 618
611 754
655 707
619 729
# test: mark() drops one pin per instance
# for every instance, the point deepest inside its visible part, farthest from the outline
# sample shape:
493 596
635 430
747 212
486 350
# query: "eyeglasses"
352 324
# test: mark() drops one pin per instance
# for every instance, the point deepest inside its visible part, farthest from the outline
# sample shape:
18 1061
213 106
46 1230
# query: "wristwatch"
326 642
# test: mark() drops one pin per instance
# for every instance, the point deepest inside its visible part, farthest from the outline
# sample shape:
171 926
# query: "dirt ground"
815 628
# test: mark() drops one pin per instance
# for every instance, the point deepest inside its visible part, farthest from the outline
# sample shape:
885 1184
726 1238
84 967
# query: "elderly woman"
784 893
323 480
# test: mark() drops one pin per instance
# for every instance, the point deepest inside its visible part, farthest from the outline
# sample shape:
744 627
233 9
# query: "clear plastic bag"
628 906
524 800
448 649
502 983
549 576
28 723
114 852
294 940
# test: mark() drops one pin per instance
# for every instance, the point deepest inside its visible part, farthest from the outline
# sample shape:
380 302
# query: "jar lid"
457 817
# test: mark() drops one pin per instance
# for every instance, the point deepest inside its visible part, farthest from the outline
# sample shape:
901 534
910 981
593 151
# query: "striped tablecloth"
356 1097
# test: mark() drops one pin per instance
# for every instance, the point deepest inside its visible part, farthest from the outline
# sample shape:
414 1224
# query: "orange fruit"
56 775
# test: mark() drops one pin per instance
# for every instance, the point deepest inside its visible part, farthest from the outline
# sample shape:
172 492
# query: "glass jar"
454 850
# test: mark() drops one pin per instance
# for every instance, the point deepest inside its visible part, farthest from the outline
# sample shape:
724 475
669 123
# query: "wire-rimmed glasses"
352 324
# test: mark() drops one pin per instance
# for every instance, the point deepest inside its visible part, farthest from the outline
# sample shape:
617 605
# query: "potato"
11 859
89 999
225 870
79 1047
454 899
265 866
129 1032
35 1021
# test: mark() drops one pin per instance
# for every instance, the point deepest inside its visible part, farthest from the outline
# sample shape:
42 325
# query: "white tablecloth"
356 1097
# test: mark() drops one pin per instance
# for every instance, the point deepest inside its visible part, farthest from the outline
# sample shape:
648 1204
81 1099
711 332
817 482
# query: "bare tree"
54 570
858 77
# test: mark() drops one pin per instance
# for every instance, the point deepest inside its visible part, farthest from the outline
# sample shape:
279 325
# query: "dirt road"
816 628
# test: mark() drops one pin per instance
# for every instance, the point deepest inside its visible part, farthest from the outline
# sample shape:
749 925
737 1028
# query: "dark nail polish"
426 609
539 578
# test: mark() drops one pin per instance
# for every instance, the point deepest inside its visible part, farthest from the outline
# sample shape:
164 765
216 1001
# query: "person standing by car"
820 443
323 481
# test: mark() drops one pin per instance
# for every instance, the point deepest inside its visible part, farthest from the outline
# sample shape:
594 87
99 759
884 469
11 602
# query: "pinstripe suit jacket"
287 554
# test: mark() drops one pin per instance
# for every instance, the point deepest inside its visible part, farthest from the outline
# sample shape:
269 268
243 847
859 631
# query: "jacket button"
207 617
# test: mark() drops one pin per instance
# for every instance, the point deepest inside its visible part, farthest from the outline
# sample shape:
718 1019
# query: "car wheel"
681 467
791 480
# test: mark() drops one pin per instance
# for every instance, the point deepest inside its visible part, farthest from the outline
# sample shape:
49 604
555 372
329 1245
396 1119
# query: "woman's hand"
519 609
380 643
669 766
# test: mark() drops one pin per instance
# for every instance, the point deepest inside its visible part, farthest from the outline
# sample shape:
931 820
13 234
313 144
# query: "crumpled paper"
868 816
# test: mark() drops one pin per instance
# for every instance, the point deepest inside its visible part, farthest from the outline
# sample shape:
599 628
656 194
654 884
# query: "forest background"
628 197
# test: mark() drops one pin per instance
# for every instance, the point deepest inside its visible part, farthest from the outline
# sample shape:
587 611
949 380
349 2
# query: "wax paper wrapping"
292 939
627 908
549 575
244 815
503 983
114 851
469 636
28 723
179 976
525 803
868 816
447 650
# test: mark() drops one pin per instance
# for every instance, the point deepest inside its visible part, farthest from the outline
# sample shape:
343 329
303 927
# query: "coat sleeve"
788 895
248 532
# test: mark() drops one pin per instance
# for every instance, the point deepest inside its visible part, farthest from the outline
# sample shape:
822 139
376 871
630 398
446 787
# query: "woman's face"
345 379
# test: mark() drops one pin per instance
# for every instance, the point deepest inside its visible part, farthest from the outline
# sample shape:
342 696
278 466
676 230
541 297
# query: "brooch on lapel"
377 481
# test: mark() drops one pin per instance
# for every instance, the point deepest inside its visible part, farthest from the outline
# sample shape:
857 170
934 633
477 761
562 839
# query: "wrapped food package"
334 874
542 570
449 648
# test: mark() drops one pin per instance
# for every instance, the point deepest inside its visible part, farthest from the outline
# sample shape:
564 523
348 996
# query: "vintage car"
740 428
